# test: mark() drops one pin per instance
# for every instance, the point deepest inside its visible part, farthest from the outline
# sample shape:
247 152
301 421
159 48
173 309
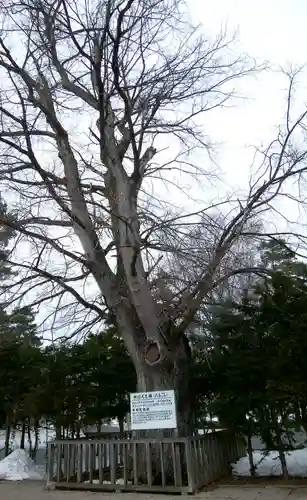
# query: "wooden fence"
108 435
174 465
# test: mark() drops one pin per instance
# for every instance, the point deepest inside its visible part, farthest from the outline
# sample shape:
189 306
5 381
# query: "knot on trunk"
152 353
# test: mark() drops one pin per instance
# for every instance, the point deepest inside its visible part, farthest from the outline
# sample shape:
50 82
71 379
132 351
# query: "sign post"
153 410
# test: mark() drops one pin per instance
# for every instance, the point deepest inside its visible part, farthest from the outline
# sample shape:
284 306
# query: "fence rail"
166 465
108 435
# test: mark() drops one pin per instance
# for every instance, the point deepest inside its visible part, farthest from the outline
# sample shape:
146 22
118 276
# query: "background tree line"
65 385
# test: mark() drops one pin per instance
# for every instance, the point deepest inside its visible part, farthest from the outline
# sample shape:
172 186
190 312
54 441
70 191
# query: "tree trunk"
7 437
58 431
121 425
252 467
304 417
23 435
166 375
36 442
29 437
281 452
267 437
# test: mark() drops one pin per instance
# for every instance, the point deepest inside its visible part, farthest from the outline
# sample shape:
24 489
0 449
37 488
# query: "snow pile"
18 466
269 465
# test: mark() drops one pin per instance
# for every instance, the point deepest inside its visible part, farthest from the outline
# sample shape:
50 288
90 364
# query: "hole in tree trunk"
152 354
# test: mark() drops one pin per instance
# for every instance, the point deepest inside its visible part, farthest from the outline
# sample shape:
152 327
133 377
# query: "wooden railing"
108 435
211 456
167 465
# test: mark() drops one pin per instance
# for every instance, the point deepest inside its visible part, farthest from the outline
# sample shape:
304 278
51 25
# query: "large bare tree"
91 93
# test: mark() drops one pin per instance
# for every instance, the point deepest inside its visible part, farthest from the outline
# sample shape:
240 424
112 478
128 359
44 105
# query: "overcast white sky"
271 30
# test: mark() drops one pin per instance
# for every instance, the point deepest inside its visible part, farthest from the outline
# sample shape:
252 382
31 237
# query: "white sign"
153 410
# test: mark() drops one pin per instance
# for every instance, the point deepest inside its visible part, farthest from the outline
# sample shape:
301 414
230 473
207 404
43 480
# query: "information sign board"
153 410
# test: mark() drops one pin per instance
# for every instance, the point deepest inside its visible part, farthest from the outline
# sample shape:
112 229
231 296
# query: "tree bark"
303 416
167 374
36 442
23 435
58 431
121 426
252 467
29 437
281 452
7 437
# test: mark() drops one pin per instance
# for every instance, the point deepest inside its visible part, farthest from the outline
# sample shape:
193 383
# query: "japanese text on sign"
153 410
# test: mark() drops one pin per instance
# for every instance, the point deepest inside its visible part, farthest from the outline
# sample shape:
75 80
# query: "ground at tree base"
276 481
33 490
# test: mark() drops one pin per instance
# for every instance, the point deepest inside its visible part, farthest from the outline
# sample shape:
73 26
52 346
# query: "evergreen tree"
257 367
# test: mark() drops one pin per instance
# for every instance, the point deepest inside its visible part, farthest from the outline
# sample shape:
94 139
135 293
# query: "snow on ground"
270 465
18 466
